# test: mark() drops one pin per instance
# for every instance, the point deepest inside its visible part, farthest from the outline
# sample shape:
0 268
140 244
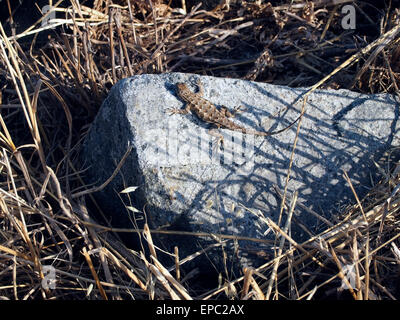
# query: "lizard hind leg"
226 113
239 109
219 142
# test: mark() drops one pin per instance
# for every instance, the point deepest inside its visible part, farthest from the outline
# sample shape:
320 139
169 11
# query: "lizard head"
183 90
181 86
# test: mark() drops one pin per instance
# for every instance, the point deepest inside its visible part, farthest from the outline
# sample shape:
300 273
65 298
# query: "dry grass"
50 93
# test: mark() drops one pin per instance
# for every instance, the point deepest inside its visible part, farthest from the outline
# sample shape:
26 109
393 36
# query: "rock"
186 186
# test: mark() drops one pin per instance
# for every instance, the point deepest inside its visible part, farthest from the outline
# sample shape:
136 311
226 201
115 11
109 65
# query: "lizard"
208 112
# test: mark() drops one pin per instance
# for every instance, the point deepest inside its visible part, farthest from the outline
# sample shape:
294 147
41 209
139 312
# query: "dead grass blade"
94 273
74 66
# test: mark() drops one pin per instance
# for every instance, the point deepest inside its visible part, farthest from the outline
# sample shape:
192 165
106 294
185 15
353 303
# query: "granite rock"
185 182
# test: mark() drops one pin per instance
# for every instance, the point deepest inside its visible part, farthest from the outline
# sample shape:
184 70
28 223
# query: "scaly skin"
208 112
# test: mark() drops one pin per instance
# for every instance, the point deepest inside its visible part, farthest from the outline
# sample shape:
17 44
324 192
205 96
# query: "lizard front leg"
200 88
172 111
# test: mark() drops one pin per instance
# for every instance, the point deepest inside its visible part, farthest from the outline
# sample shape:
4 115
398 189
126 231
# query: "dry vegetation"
52 82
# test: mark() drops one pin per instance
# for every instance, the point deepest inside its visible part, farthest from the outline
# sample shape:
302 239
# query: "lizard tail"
284 129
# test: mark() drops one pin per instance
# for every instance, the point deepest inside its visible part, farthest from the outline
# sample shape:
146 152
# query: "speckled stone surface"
186 185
